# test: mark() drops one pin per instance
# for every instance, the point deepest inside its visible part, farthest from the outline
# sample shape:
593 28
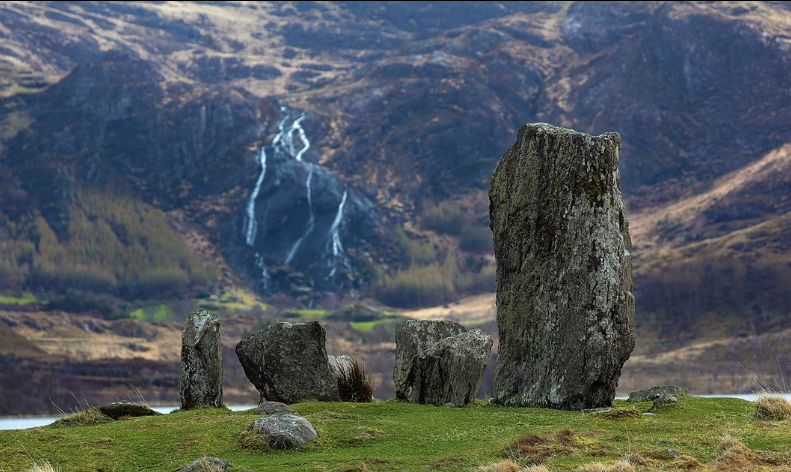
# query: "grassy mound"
392 436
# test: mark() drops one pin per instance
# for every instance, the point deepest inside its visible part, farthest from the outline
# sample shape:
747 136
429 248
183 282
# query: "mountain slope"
407 107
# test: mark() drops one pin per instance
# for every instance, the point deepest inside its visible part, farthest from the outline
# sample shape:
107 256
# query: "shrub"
418 286
357 384
446 218
772 408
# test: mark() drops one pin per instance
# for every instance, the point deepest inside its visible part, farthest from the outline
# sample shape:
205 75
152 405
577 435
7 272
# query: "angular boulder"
287 362
565 309
200 378
412 338
284 430
439 362
653 393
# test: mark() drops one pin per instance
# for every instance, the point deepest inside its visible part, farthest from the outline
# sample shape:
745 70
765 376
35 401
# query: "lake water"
35 422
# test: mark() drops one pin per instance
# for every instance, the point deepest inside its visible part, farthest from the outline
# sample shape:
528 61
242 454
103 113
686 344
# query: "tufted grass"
391 436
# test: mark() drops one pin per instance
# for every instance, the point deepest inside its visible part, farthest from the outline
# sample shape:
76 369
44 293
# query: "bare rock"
439 363
287 362
565 309
655 392
284 431
271 408
200 379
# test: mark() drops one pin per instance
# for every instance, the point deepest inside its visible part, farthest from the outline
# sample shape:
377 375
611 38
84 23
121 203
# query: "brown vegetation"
772 408
357 384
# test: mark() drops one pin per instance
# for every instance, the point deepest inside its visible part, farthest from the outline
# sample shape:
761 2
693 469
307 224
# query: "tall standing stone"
200 379
565 309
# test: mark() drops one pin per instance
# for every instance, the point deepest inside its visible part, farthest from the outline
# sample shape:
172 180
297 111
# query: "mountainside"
318 153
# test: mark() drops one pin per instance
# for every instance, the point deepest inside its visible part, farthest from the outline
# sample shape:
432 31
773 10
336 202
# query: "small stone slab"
650 394
126 410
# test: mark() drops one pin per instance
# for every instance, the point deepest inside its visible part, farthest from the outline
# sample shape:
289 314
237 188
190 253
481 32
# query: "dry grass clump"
686 462
252 441
530 448
208 465
620 466
772 408
502 466
734 454
43 467
356 384
85 417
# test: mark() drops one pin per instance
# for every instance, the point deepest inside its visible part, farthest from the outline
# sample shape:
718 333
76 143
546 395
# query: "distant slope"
407 110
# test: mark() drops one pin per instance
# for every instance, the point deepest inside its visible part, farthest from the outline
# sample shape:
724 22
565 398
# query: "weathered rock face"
284 431
412 338
438 362
200 379
270 408
565 309
287 362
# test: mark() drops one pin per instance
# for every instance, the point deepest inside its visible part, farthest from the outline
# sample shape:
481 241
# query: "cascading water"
284 145
334 243
250 223
311 217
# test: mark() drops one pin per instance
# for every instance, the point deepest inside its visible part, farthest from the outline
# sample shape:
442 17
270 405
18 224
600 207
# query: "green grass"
23 299
157 314
310 314
234 300
391 436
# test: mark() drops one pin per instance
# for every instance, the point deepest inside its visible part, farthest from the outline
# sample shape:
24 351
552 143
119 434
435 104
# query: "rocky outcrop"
653 393
438 362
284 431
200 378
565 309
287 362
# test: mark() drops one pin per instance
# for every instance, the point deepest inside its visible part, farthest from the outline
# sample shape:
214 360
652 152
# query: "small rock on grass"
119 410
655 392
270 408
284 431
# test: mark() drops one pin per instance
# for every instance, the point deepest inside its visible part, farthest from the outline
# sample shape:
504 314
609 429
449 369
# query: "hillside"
155 156
392 436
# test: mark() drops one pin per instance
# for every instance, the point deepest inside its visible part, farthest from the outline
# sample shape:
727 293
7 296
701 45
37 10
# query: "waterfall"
251 224
302 136
335 237
311 217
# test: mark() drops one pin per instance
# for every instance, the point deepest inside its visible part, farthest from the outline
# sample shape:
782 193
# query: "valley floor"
398 436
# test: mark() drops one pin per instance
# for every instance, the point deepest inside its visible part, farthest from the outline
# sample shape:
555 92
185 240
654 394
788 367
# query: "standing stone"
439 362
565 309
200 379
287 362
412 338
